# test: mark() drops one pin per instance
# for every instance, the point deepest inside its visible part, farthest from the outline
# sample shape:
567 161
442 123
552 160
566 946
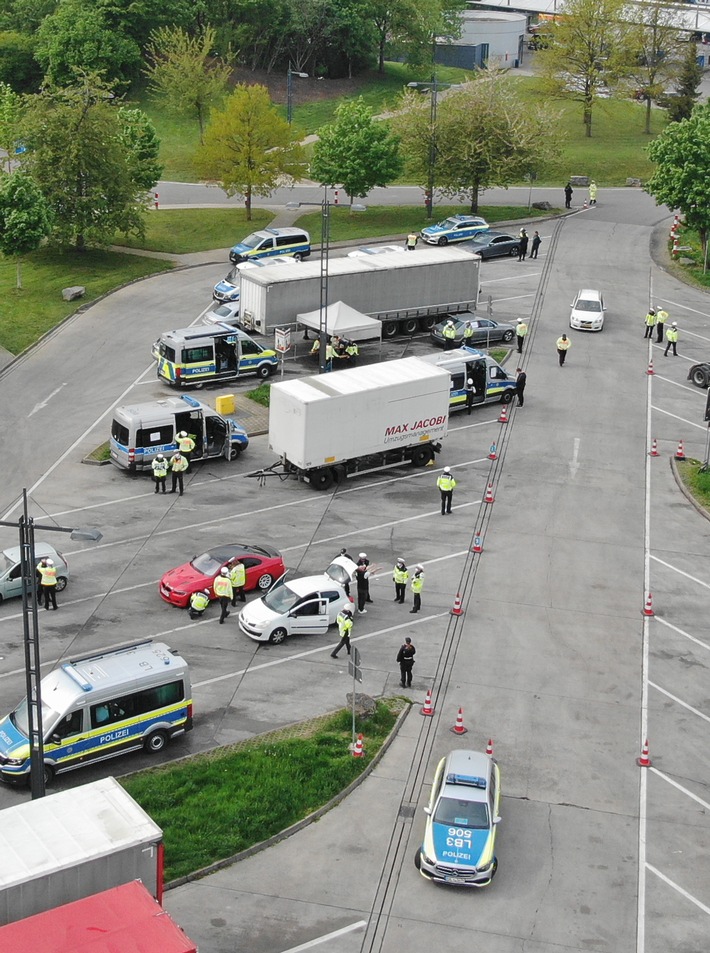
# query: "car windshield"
251 241
7 563
206 564
448 223
223 311
19 717
281 599
584 304
233 276
473 814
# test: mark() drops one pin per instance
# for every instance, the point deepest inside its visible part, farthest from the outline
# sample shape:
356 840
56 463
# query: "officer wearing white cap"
449 333
345 624
48 581
446 484
223 590
671 339
160 472
400 574
417 584
470 394
362 578
521 329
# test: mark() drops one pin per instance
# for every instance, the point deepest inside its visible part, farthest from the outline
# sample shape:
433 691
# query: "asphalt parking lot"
552 659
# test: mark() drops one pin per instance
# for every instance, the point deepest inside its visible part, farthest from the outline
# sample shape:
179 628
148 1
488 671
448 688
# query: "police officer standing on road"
178 465
671 339
563 345
470 394
411 242
48 581
160 472
467 334
185 444
400 574
405 658
521 329
223 590
520 382
446 485
661 318
417 584
345 624
649 320
522 245
238 579
362 578
449 332
198 603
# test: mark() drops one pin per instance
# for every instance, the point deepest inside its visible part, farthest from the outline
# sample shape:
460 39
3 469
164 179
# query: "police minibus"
102 706
139 432
191 357
270 242
490 381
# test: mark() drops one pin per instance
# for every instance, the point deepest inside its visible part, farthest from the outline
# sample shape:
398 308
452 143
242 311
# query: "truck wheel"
61 583
278 636
700 377
409 326
155 742
426 324
506 396
263 371
421 456
321 479
443 240
508 336
389 329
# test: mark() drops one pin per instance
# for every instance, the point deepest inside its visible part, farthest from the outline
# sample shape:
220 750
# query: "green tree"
25 16
356 151
249 149
18 66
76 154
10 111
585 53
410 27
184 75
484 136
689 77
138 136
682 176
25 219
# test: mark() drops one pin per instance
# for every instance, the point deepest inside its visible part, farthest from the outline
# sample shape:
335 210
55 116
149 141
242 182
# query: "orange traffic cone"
644 761
458 728
503 419
680 452
358 750
585 204
457 610
428 708
654 448
477 544
676 249
648 608
492 454
650 367
489 498
489 747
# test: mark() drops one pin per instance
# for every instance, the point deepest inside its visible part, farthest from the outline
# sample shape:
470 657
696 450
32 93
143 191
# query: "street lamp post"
434 86
28 568
289 90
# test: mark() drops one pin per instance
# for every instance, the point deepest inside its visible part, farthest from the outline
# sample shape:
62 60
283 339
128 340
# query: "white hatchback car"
587 311
305 606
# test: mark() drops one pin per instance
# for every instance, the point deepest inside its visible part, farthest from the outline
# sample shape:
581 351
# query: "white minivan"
587 311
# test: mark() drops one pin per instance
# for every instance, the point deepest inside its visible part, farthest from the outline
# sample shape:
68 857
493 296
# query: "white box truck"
407 293
329 427
74 844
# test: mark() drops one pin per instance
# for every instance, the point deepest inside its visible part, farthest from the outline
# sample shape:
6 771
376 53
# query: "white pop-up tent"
344 321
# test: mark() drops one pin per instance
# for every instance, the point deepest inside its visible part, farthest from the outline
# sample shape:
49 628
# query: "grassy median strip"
696 480
214 805
180 231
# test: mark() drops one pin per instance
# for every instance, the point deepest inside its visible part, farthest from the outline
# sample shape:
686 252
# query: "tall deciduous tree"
484 136
249 149
138 137
10 110
411 26
356 151
585 53
75 153
682 176
25 219
184 73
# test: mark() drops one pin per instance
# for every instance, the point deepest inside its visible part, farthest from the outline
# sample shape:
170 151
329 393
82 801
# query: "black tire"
494 869
409 326
263 371
321 479
298 256
48 775
389 329
234 453
418 859
155 742
506 396
514 251
264 581
278 636
508 336
421 456
443 240
426 324
700 377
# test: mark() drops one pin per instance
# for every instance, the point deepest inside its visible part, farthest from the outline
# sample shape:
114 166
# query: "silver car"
11 569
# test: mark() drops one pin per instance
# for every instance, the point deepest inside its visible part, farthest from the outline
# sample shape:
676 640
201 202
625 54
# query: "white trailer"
329 427
407 293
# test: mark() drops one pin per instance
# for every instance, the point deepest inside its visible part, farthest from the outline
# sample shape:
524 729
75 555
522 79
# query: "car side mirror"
56 739
427 810
497 820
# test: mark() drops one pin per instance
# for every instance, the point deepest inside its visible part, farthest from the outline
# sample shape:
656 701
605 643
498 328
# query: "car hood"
257 615
226 287
13 744
435 229
241 249
185 577
468 852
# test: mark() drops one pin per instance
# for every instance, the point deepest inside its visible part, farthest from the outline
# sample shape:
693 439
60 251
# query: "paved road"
552 658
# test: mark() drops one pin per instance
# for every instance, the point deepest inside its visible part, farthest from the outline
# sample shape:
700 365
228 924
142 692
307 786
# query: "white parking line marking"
684 307
327 936
515 298
679 701
686 635
692 390
679 889
690 423
704 804
681 572
690 360
526 274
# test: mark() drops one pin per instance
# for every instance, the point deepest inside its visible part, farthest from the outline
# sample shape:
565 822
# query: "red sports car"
263 565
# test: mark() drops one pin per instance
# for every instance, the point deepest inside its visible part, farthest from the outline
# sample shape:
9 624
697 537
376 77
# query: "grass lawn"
27 314
398 220
180 231
696 481
214 805
693 250
261 394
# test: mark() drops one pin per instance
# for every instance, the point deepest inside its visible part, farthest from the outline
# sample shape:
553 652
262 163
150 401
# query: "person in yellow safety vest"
592 193
416 585
400 574
467 333
671 339
160 472
238 578
48 581
178 465
223 590
411 242
345 625
352 350
521 329
449 333
649 321
329 355
563 345
198 603
315 348
446 484
185 444
661 318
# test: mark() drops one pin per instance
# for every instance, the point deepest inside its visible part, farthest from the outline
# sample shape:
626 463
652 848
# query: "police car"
462 818
457 228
